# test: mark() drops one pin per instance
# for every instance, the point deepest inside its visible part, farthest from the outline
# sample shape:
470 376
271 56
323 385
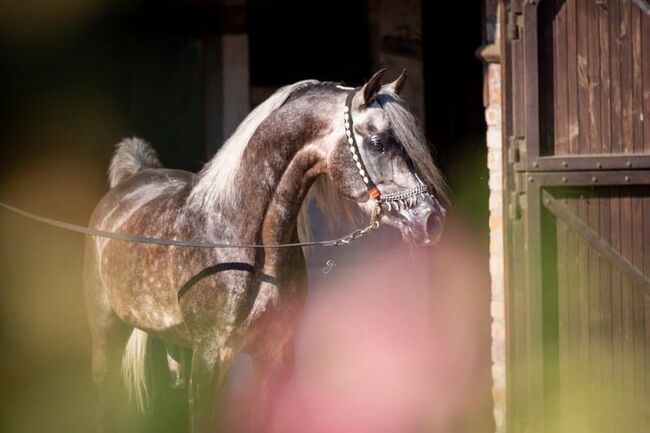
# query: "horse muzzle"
422 224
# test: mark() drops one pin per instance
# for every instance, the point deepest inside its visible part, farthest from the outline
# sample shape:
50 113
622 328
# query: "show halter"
398 200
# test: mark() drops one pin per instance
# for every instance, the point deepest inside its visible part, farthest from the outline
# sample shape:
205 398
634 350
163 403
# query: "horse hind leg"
109 336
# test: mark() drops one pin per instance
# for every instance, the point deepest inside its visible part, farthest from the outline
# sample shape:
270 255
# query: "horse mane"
215 182
334 206
409 133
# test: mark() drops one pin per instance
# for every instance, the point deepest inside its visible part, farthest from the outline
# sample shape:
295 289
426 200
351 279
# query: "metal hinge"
516 144
515 198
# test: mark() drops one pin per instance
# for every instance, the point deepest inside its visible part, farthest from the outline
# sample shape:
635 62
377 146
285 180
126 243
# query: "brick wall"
489 53
497 307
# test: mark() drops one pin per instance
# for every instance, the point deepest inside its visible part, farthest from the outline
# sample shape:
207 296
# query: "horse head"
383 162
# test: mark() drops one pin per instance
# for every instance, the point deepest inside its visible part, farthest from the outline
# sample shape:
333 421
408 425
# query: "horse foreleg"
271 375
209 368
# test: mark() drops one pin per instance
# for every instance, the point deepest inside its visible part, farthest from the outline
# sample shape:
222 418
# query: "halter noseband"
399 200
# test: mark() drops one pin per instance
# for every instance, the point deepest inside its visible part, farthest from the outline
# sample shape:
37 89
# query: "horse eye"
380 142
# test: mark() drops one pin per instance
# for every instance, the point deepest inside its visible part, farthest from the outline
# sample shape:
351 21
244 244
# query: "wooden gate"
577 174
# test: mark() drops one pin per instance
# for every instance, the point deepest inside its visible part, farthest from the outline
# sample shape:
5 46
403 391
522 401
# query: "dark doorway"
292 40
451 33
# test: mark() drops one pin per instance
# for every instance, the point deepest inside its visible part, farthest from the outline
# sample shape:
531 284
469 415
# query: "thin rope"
127 237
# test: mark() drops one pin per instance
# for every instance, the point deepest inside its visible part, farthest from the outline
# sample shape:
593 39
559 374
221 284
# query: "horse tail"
133 368
131 156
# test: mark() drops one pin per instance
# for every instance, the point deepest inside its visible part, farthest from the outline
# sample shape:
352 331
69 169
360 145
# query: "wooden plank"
589 71
561 147
605 81
593 77
518 314
638 233
534 288
595 318
646 252
561 84
615 55
637 86
617 311
627 316
572 76
627 77
518 88
638 228
531 75
564 325
645 49
583 296
583 77
605 285
551 318
575 325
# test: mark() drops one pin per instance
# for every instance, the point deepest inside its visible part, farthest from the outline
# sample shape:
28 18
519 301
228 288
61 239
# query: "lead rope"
372 225
345 240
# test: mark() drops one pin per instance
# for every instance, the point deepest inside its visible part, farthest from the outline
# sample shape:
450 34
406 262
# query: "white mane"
216 180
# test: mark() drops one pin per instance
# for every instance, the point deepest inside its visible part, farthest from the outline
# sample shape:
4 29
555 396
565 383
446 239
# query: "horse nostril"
434 227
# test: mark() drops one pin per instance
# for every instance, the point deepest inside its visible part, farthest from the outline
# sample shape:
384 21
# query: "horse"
358 147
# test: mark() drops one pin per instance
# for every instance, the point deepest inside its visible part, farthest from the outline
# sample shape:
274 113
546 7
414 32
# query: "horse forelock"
409 132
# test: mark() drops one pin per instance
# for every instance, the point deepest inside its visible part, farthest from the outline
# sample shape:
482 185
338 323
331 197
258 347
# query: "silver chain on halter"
404 199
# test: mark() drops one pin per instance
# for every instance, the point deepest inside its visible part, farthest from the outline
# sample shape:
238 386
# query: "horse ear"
397 85
372 87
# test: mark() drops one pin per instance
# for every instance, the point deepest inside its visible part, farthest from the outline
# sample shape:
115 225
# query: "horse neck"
280 163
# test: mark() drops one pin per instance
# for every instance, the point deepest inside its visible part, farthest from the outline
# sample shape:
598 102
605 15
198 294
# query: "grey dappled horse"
357 145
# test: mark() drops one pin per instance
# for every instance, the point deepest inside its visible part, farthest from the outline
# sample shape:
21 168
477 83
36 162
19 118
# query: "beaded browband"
397 200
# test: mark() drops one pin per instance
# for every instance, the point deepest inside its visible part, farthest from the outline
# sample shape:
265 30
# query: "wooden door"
577 122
